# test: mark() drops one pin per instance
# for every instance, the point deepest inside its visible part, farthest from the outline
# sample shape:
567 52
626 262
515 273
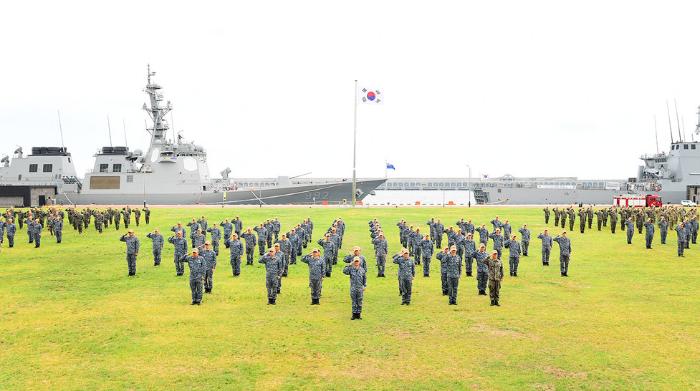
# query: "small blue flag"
390 166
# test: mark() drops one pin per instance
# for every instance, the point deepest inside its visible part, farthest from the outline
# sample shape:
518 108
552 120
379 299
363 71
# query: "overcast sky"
529 88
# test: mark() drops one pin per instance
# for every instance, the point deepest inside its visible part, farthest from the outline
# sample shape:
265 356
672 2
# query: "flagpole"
354 152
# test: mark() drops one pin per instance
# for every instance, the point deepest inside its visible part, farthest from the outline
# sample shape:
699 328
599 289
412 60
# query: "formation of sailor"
634 220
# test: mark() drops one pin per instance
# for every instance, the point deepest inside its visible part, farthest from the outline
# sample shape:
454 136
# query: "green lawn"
626 318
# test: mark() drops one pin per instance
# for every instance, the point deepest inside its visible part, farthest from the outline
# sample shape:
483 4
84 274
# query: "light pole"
469 185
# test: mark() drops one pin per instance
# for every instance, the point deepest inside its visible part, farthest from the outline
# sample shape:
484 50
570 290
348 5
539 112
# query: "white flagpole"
386 169
354 152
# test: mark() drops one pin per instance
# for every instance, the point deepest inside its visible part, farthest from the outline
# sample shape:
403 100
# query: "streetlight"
469 183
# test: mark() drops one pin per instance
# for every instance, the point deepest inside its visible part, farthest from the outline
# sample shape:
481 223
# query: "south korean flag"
370 96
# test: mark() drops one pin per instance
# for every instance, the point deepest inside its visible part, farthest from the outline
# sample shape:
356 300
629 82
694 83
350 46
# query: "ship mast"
155 112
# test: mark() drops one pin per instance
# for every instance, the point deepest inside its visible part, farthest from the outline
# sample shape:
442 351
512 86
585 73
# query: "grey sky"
546 88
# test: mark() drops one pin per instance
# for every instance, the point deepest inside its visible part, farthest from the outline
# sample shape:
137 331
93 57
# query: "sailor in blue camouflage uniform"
416 239
180 243
10 231
237 225
283 272
198 240
442 257
482 271
381 248
58 229
439 232
426 252
235 253
2 231
198 267
209 256
285 246
497 241
276 228
317 270
564 253
649 233
194 226
469 253
630 229
249 238
132 250
524 239
273 272
328 251
469 227
514 255
497 223
36 232
356 252
431 227
157 245
358 283
295 239
335 238
483 234
453 271
663 229
228 229
262 238
29 221
215 237
269 229
680 238
507 229
180 228
546 246
406 272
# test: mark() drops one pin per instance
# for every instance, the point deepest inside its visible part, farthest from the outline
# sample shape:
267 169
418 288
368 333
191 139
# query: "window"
129 178
685 146
692 146
33 167
48 167
103 167
116 168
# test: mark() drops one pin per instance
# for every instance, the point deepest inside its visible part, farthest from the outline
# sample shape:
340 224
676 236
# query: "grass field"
626 318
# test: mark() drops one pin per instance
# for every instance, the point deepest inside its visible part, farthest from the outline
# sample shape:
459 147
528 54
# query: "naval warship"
673 175
170 172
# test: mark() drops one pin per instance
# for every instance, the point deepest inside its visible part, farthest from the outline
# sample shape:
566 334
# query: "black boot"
269 301
469 274
354 316
359 316
274 301
482 293
493 302
496 302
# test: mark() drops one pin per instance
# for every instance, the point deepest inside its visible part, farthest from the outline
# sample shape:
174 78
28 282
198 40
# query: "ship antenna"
109 129
172 123
697 127
678 123
126 143
60 128
670 127
656 133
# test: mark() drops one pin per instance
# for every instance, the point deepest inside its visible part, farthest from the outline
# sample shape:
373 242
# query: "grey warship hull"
338 193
